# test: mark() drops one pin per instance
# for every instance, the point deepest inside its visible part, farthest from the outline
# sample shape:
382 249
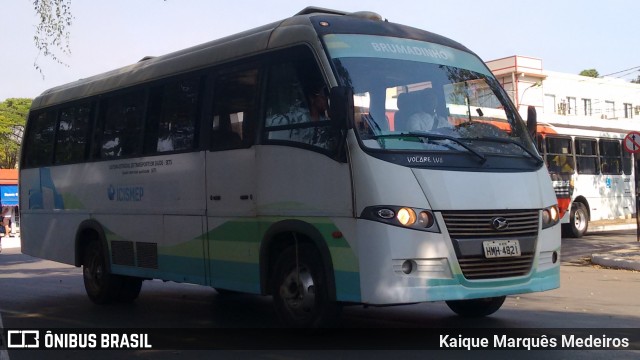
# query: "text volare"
425 159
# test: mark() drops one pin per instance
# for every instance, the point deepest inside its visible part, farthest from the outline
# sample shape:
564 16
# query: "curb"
628 261
600 228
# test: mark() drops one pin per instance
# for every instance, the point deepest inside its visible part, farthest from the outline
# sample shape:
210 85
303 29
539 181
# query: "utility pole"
632 145
637 177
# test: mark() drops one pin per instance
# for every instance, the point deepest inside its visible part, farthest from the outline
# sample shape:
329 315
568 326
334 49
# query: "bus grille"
478 267
476 226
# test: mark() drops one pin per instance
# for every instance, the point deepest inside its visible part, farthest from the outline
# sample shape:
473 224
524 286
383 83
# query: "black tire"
101 286
300 293
476 307
225 292
130 289
578 220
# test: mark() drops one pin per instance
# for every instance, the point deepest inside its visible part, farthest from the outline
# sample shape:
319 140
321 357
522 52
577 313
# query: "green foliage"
590 73
13 116
52 34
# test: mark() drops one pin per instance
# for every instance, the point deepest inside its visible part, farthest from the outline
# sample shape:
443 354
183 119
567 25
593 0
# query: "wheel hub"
298 291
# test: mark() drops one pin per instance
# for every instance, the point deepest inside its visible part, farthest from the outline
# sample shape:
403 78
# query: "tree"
52 33
13 116
590 73
637 80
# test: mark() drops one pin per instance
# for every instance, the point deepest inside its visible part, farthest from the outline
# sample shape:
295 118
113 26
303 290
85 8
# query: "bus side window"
297 104
610 157
172 115
122 117
559 155
586 154
234 110
72 136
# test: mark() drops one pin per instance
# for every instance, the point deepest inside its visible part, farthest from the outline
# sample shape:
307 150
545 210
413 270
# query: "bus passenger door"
231 239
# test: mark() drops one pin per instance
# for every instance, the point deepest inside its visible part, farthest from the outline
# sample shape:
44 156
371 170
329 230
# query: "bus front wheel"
300 290
476 307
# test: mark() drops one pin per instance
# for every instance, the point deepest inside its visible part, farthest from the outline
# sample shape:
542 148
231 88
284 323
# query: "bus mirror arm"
341 107
532 121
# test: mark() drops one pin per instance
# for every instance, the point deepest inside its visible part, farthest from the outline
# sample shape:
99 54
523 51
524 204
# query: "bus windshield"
423 97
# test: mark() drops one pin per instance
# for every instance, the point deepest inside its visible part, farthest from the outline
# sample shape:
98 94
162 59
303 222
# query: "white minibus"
327 159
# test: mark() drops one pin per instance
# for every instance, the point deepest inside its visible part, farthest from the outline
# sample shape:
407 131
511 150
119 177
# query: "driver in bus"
426 118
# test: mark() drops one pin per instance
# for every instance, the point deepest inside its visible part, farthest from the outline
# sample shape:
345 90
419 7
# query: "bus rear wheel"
101 286
476 307
299 289
130 289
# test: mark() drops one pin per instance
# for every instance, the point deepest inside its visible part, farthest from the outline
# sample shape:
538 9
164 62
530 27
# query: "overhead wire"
621 71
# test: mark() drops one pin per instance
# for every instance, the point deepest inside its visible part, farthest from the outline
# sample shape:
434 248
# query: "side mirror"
341 107
532 121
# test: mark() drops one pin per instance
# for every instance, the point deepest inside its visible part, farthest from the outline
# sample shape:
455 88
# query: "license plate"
501 248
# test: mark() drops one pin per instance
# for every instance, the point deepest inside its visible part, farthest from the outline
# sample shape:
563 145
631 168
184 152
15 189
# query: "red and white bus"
592 174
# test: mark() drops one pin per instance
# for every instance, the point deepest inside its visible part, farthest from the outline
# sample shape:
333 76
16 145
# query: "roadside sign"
632 142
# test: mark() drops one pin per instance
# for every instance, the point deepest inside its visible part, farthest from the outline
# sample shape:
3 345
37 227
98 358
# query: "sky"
567 35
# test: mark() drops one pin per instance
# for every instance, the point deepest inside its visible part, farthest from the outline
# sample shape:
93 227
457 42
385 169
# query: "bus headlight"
426 219
406 216
403 216
550 216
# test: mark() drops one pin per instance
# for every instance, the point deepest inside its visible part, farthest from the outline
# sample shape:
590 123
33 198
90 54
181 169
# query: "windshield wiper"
431 136
533 155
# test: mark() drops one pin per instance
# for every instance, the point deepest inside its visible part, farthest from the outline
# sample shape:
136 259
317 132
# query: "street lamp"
536 84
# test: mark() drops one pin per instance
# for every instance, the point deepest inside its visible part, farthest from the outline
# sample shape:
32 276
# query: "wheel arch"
88 231
583 200
283 234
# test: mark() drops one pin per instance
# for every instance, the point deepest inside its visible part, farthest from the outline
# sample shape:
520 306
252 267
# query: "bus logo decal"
111 193
499 223
125 193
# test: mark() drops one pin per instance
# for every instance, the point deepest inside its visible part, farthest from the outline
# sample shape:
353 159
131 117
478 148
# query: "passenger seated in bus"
165 140
400 117
223 136
561 165
426 117
418 111
318 103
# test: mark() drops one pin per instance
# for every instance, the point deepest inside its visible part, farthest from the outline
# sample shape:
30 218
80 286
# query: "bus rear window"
39 140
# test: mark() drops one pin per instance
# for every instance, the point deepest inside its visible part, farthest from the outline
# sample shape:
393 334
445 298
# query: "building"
9 195
559 97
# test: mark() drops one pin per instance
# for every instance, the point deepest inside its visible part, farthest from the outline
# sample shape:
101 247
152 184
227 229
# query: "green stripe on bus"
235 276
